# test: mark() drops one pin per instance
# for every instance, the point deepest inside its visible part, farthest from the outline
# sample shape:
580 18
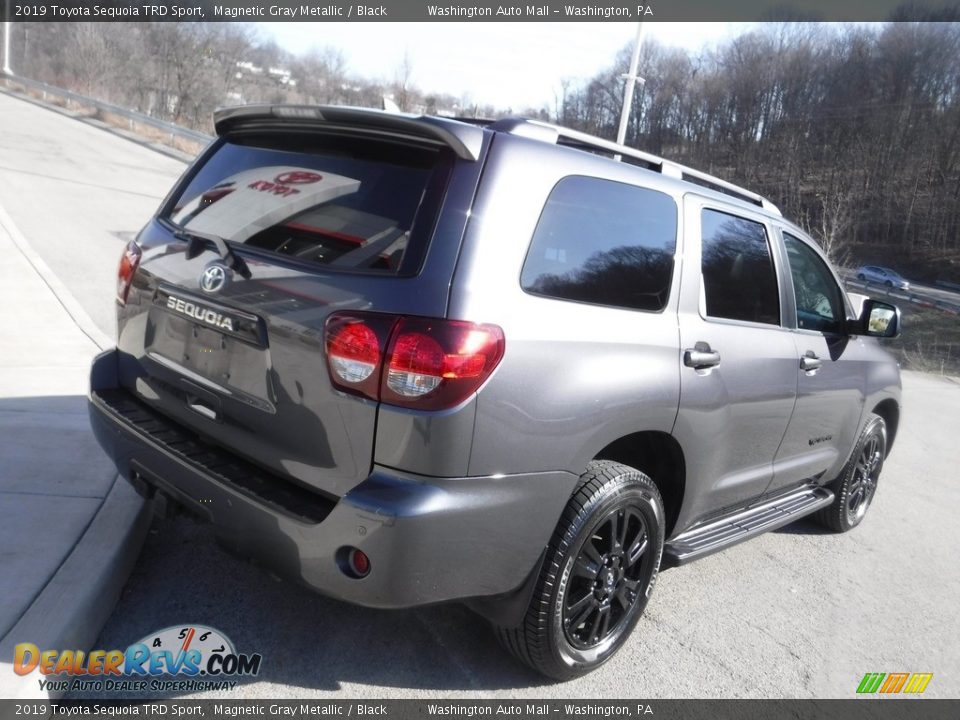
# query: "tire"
854 490
590 593
861 276
889 284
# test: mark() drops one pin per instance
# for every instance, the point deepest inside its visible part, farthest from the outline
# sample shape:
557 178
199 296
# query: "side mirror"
877 319
856 301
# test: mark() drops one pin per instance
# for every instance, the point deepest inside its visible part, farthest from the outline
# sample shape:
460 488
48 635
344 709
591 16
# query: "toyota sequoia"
408 360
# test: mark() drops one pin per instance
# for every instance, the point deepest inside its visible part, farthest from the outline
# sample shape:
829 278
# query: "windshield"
341 202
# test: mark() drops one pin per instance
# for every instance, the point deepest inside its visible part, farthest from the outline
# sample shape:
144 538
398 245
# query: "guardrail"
132 116
912 298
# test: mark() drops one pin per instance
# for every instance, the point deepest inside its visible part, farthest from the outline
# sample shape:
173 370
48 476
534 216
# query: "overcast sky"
504 64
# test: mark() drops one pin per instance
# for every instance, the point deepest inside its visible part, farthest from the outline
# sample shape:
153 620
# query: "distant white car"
882 275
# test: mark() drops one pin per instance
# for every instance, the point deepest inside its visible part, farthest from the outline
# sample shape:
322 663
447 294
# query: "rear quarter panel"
575 376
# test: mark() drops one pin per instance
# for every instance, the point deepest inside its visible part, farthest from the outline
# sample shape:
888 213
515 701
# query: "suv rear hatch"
291 215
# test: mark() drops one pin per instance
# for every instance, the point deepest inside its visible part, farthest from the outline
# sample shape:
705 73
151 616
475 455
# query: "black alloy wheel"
863 482
856 486
605 584
600 568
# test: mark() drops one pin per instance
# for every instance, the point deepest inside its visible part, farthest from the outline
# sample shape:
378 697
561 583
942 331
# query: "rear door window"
344 203
739 277
603 242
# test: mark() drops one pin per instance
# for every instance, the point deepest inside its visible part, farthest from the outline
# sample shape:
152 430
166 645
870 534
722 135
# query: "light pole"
631 79
6 47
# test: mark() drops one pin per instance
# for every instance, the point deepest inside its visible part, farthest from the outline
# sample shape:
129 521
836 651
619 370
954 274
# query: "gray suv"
408 360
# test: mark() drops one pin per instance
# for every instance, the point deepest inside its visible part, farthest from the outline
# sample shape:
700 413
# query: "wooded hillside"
853 131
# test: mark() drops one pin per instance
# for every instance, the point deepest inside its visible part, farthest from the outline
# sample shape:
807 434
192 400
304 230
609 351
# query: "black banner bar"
478 10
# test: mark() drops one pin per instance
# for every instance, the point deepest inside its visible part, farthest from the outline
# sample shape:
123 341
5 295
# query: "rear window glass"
342 202
604 242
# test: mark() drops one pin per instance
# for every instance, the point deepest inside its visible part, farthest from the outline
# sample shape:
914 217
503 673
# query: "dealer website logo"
894 683
199 657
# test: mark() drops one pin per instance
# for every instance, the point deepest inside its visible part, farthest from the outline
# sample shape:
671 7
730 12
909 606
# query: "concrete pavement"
69 529
79 193
71 196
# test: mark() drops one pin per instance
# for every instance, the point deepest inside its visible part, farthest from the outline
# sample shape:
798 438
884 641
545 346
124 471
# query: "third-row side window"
739 278
604 242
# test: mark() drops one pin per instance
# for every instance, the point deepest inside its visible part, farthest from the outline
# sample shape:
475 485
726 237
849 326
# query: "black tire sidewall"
625 489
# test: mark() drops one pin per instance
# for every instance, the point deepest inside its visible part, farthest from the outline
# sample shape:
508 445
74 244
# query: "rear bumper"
428 539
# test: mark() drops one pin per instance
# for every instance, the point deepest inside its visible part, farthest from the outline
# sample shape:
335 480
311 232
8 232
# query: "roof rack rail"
558 135
482 122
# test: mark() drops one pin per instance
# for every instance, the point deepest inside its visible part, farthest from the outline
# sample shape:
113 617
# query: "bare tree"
403 93
853 130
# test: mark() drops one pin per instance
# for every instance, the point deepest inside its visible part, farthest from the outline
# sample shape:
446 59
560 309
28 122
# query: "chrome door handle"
810 362
206 411
701 356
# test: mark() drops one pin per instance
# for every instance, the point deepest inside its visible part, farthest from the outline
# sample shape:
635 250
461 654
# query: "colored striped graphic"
870 683
892 683
918 682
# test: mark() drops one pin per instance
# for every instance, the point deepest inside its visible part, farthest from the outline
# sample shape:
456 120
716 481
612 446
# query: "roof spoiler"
465 140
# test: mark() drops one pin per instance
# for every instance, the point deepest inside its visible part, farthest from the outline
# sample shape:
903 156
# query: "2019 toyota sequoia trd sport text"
406 360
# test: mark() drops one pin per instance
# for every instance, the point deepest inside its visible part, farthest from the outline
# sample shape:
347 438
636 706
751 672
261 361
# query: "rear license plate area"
237 367
207 353
200 350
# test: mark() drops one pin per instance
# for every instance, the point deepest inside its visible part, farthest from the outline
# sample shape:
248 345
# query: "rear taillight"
436 364
422 363
355 345
129 262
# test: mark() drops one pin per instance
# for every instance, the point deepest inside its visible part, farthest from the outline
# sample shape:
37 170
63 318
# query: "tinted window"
345 203
819 303
604 242
739 278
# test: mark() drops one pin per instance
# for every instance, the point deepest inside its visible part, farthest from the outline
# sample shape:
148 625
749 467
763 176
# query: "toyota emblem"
214 278
298 177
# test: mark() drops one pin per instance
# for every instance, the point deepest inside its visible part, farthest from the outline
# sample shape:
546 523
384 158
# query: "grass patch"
930 341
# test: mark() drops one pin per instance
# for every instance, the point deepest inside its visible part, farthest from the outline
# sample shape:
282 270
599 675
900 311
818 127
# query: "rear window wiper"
195 243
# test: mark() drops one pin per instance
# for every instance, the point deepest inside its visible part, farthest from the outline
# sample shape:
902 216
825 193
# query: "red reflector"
359 562
129 262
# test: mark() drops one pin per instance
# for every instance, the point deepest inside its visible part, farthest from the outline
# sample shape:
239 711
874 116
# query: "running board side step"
744 524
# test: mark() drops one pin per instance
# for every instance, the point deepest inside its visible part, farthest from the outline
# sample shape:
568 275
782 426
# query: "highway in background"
795 613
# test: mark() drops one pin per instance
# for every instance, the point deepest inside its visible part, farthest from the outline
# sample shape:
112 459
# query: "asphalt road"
918 294
78 194
794 613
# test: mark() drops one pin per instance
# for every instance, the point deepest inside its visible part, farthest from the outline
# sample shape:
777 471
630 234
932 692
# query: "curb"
76 602
72 607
